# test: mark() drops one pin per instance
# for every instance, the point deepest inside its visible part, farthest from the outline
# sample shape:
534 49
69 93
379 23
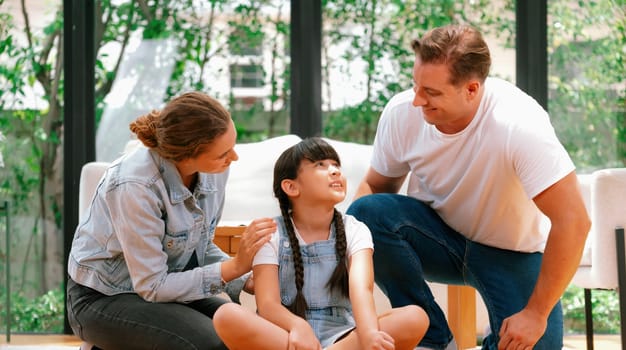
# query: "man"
484 164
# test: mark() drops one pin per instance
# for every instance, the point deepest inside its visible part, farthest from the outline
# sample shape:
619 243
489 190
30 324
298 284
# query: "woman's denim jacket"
141 229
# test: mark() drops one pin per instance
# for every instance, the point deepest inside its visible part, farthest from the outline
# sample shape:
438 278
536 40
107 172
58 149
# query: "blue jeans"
126 321
411 242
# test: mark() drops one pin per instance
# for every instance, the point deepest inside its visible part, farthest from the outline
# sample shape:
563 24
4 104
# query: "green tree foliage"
43 313
258 26
32 176
604 303
376 36
587 45
33 137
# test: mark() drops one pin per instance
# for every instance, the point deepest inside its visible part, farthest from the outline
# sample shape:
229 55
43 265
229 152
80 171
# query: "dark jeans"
126 321
412 244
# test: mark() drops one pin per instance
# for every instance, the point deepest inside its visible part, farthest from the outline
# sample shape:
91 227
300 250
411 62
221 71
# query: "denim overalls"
329 314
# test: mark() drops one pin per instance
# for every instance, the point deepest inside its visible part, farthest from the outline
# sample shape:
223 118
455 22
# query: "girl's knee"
227 320
416 318
227 315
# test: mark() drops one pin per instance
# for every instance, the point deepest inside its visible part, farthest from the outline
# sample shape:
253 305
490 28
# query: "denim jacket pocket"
174 243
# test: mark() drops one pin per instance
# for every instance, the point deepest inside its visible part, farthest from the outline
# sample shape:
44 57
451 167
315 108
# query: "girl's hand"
249 286
256 234
377 340
302 337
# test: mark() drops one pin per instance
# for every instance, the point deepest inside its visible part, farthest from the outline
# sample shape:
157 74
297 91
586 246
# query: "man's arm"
374 182
562 203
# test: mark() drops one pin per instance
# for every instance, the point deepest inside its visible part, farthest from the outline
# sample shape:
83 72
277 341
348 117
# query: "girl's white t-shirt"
358 237
482 180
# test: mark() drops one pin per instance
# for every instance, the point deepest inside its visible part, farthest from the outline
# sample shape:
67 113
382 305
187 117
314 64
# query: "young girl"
313 281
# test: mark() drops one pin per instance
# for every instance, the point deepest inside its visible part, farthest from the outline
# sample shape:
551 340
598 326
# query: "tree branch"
145 9
206 56
108 84
29 34
100 23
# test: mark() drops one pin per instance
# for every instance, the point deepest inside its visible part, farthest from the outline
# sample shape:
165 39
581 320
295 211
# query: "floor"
40 342
68 342
600 342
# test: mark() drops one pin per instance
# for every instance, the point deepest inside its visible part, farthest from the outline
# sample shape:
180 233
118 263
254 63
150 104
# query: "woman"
144 271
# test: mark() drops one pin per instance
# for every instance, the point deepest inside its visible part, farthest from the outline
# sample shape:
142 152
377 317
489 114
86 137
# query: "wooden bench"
461 299
227 238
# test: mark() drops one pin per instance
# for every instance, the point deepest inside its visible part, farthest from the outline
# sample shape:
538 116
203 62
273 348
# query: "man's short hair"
461 47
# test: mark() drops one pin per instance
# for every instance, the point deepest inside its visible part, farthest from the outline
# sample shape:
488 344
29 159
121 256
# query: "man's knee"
371 206
359 206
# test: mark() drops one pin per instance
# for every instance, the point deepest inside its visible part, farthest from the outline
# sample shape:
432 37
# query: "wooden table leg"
462 315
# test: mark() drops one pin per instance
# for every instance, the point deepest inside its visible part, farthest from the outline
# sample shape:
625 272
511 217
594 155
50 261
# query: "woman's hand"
258 232
302 337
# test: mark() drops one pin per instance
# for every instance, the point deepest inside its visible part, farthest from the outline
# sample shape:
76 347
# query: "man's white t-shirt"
481 180
358 237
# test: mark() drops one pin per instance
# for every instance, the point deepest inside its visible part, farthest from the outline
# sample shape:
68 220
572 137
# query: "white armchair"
603 265
90 175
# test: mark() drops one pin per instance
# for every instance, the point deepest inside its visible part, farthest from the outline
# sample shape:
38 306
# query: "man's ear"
472 89
290 187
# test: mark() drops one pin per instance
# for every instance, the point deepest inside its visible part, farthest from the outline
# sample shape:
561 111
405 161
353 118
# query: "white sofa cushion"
249 192
249 187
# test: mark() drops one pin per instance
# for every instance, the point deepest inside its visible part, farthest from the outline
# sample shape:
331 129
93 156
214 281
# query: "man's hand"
521 331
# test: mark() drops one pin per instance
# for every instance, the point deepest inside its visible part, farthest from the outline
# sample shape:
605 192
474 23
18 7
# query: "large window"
367 57
586 73
31 180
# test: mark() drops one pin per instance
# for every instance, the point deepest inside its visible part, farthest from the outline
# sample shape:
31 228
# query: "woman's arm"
136 213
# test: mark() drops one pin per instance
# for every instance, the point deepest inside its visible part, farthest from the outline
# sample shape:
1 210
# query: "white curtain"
139 87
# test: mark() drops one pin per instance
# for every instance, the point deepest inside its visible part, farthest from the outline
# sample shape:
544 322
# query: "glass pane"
246 75
31 121
586 41
242 43
367 56
259 68
231 50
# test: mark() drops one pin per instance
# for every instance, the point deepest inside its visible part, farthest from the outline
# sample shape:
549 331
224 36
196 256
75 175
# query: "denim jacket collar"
177 191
